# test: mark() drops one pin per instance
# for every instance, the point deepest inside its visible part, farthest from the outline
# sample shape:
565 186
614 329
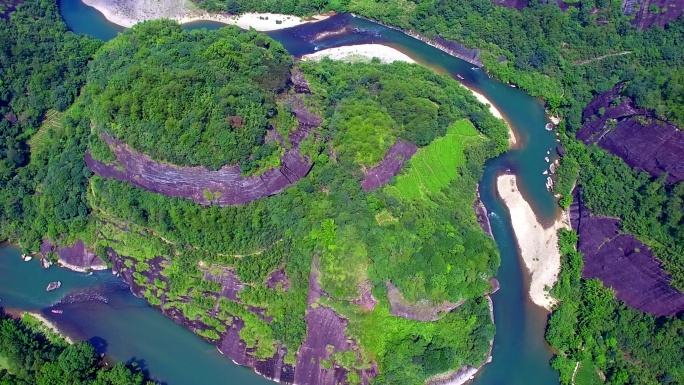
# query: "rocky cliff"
634 134
624 263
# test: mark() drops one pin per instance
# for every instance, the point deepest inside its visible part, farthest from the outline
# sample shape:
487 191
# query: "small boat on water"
459 76
57 311
53 286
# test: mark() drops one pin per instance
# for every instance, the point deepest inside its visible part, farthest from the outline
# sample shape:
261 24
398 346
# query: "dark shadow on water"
100 344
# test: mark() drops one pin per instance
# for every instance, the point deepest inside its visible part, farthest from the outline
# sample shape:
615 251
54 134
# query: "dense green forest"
430 253
173 99
605 336
563 57
427 244
30 357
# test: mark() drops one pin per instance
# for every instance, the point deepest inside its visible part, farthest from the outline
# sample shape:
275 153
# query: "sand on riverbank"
126 13
361 52
538 245
512 139
50 325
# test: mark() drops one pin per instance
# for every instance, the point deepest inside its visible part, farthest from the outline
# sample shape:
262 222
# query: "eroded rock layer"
624 263
634 135
75 257
225 187
391 164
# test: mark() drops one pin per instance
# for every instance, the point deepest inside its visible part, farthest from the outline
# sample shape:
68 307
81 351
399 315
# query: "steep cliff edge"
634 134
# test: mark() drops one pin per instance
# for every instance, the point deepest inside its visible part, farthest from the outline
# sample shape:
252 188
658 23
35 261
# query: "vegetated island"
312 280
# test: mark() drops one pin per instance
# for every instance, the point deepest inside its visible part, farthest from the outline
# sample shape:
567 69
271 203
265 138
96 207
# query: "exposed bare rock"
192 182
301 85
426 312
231 285
391 164
324 327
624 263
76 257
366 299
278 277
495 285
458 377
482 215
644 18
634 135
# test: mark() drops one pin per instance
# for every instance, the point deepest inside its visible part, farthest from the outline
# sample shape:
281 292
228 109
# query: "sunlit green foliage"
190 98
27 356
435 166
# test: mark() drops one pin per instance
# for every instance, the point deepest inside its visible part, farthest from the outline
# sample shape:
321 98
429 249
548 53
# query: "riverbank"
538 245
512 138
127 13
39 322
361 52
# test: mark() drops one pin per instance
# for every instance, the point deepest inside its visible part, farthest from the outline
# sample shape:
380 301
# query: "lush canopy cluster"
28 357
188 97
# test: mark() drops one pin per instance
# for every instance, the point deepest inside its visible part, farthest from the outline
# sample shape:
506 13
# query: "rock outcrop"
635 135
391 164
224 187
418 311
76 257
624 263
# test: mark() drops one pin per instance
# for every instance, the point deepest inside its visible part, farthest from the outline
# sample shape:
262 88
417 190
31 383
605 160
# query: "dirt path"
587 61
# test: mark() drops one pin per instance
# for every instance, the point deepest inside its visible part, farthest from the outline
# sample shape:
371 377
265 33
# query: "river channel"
100 308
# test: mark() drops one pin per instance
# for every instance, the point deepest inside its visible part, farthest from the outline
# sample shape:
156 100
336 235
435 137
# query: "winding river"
99 307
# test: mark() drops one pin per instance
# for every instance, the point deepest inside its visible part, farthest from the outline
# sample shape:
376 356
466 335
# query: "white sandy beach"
512 139
538 245
126 13
361 52
51 326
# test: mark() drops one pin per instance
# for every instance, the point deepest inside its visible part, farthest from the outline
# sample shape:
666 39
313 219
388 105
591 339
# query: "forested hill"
612 70
314 281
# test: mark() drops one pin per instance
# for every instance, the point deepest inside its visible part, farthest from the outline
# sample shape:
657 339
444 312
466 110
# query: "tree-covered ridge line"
539 43
32 357
590 326
329 194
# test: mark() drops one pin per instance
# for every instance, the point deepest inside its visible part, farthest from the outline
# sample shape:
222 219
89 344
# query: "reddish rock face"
645 14
634 135
624 263
391 164
77 255
193 182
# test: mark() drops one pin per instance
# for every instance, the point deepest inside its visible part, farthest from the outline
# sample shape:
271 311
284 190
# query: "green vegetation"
189 98
27 356
649 208
435 166
587 374
591 326
432 250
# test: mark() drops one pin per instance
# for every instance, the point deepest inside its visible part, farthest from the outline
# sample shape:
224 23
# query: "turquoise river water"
101 309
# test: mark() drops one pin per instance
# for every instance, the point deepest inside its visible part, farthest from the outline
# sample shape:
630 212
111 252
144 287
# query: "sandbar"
361 52
50 325
127 13
538 245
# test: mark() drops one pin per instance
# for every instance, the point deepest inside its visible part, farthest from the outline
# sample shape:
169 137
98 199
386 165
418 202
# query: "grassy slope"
435 166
